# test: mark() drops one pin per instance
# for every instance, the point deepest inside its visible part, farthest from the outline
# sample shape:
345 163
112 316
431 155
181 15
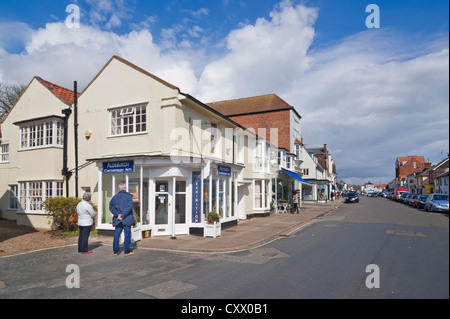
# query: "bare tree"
9 94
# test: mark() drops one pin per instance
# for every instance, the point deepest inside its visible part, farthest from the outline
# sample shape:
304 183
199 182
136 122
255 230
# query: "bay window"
44 134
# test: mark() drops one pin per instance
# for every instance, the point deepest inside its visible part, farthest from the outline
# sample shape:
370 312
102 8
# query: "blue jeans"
127 240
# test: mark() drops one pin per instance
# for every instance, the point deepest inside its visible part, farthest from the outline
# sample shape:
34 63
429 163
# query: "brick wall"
278 119
408 168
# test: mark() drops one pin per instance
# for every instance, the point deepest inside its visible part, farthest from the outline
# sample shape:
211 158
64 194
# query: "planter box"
136 234
212 230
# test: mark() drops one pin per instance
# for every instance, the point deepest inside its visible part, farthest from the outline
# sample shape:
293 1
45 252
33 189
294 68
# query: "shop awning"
295 175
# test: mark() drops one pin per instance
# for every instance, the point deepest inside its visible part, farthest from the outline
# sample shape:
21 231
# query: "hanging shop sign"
196 197
223 170
118 167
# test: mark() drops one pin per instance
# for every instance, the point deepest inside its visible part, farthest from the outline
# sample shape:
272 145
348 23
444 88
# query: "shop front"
168 199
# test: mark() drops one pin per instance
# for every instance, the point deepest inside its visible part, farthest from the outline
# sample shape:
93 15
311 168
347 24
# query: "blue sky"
337 19
369 94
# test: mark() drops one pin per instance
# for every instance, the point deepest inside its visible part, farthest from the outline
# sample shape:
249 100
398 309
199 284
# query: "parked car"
404 197
437 203
420 201
373 194
412 200
398 193
352 197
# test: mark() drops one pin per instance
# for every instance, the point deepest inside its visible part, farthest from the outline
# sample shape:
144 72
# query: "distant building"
408 165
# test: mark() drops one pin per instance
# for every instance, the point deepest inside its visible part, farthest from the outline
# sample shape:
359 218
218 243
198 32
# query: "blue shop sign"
118 167
196 197
223 170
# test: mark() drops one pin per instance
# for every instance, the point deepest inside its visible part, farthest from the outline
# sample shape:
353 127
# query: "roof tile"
255 104
65 95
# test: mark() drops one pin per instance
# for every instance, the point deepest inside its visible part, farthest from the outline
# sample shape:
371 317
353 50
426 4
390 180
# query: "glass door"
162 208
180 208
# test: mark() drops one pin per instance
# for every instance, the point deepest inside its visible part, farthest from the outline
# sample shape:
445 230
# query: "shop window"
206 196
180 202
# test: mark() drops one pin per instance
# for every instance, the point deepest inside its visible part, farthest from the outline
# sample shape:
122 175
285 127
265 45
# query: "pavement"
246 235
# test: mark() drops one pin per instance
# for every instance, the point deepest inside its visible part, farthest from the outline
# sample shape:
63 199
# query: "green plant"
213 217
59 210
272 204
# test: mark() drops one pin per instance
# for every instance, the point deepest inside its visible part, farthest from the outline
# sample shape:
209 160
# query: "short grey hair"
87 196
122 186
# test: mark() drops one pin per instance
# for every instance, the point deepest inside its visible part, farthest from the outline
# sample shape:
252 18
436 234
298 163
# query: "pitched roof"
134 66
249 105
65 95
420 159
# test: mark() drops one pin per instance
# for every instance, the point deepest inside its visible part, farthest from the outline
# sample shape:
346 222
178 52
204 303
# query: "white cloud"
62 55
264 57
374 103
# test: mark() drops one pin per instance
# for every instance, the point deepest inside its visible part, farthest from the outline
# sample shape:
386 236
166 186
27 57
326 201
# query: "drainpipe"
75 107
65 171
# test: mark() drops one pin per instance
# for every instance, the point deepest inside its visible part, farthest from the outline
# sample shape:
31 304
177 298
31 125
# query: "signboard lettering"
223 170
196 196
118 167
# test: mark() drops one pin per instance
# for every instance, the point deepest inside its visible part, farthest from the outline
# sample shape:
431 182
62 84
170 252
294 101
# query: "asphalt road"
326 259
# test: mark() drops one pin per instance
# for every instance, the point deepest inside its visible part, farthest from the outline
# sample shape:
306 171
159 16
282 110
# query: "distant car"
420 201
437 203
412 200
352 197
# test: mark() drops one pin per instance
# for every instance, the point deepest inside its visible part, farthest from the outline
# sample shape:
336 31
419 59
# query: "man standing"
121 206
295 201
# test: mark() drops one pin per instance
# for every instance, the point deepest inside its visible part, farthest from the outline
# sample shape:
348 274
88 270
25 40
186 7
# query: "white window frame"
4 153
13 197
214 139
240 148
264 194
261 153
33 193
289 162
131 118
41 135
298 151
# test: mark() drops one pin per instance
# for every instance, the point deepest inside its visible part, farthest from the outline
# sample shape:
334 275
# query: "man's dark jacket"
122 203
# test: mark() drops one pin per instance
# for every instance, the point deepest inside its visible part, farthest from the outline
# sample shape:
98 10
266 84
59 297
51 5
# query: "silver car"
437 203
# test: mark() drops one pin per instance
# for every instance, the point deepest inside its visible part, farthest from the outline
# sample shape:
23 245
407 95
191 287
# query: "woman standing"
86 214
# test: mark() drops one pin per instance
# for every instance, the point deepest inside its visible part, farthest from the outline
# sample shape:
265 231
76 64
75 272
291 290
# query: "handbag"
73 219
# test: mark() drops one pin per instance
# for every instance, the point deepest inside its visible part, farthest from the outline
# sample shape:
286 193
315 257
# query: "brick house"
408 165
264 111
